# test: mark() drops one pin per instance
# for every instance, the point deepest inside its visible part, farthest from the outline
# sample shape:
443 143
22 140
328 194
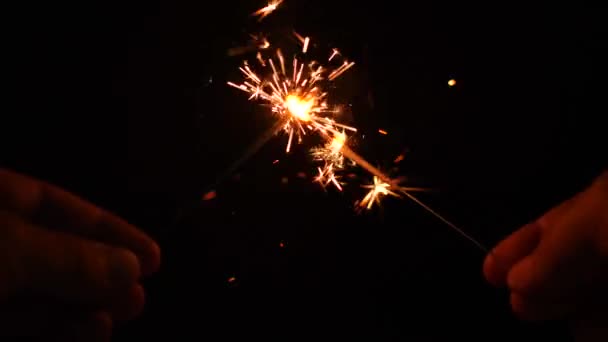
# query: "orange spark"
266 10
383 132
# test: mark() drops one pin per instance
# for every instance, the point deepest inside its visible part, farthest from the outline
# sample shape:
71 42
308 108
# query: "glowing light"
383 132
298 107
266 10
452 82
294 92
209 195
337 142
377 190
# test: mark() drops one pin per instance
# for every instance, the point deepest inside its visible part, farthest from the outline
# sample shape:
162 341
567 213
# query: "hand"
557 266
67 268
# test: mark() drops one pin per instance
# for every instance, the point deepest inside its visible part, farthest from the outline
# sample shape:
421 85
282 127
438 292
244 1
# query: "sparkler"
296 93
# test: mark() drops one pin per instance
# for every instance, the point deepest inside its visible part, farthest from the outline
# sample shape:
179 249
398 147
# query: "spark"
452 82
266 10
331 152
383 132
295 93
378 189
334 53
257 42
328 176
333 158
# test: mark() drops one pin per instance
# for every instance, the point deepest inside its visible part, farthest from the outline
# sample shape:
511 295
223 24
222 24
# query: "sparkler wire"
374 171
444 220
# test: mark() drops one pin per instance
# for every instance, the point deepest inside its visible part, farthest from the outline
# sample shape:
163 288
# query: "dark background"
125 104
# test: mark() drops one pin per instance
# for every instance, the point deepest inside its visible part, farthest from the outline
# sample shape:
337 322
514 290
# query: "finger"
58 209
518 245
38 320
62 266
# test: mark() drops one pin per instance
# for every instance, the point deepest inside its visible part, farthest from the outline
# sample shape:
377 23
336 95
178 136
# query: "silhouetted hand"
557 266
67 268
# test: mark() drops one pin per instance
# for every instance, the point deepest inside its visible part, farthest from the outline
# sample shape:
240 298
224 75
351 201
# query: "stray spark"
266 10
378 189
327 176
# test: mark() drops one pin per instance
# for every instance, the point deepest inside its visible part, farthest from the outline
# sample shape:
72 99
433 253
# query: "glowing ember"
298 107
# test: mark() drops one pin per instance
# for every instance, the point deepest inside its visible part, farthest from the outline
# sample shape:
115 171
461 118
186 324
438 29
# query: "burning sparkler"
296 93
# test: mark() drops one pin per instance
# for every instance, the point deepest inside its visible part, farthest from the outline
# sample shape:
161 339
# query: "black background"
125 104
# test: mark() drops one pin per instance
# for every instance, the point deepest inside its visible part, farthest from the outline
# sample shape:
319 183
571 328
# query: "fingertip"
130 304
137 304
492 272
152 261
518 306
124 267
